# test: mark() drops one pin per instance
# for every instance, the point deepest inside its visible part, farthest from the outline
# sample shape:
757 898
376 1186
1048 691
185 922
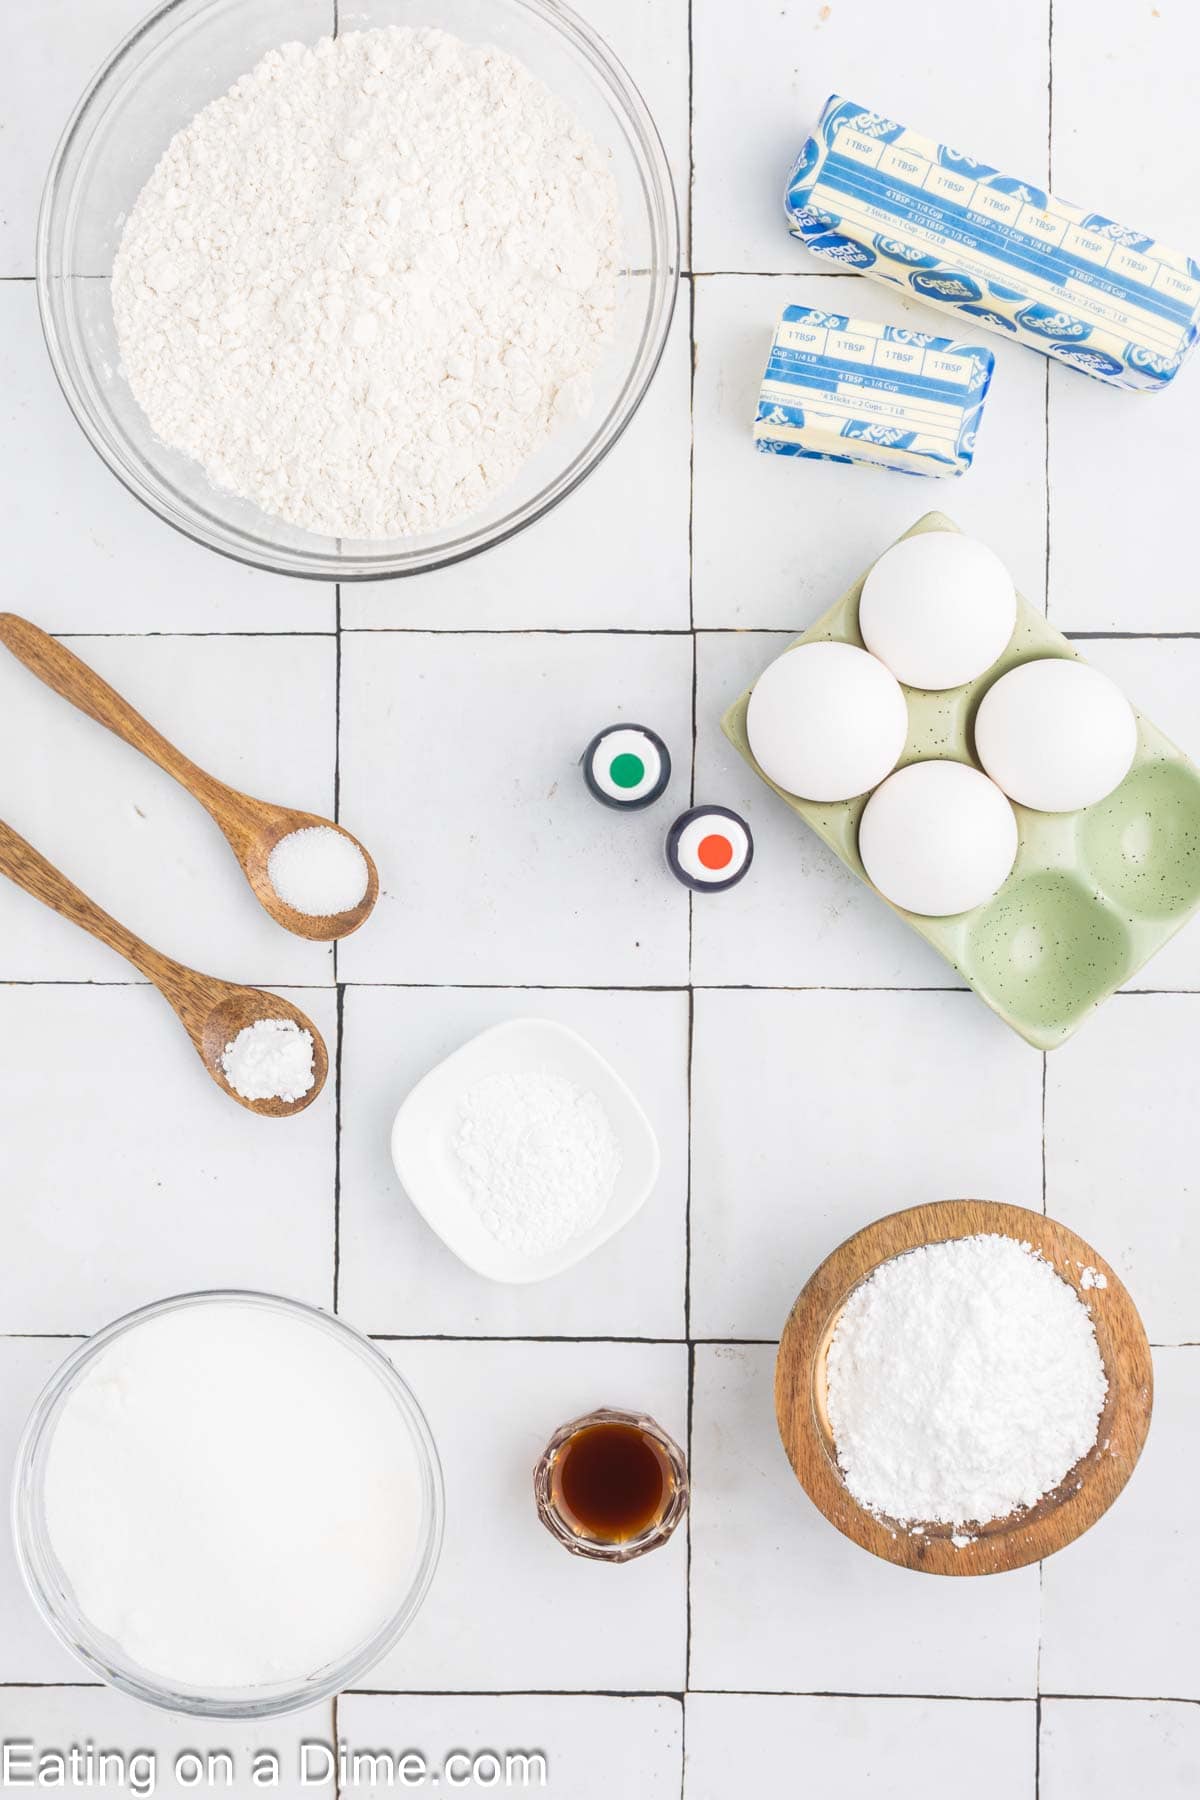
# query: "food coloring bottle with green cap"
626 766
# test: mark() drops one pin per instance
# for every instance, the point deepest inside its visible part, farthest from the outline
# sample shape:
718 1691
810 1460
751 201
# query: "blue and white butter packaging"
851 390
870 195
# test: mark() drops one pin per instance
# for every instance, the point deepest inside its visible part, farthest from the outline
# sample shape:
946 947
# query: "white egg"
938 838
938 609
827 721
1056 735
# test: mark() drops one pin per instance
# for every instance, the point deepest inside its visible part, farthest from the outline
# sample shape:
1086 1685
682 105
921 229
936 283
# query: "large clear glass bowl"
185 54
51 1590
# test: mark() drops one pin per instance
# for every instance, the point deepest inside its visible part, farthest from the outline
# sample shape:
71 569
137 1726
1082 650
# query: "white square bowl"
424 1157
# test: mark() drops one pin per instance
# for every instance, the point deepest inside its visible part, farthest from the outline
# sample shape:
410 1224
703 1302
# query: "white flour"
363 286
540 1158
964 1381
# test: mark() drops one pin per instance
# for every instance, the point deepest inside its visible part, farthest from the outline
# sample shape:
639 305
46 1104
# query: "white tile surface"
800 919
397 1276
642 1738
48 61
781 1601
1122 1138
763 72
162 1753
1110 1749
529 1615
1117 77
776 540
1112 494
652 43
459 758
813 1113
857 1749
130 1176
127 1176
1119 1606
258 713
81 554
28 1650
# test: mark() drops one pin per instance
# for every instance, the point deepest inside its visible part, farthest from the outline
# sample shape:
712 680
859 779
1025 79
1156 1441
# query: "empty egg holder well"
1092 895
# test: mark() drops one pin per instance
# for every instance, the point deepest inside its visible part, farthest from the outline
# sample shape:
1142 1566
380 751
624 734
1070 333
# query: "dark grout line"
691 1413
683 1737
862 1694
521 1693
341 990
1037 1748
691 104
549 1337
1050 190
283 632
1045 1067
577 987
687 1216
1128 1699
466 1337
337 1147
516 631
684 1694
806 273
315 987
1046 494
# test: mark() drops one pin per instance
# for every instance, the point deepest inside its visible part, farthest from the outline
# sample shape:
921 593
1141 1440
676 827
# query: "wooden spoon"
212 1012
1085 1492
252 827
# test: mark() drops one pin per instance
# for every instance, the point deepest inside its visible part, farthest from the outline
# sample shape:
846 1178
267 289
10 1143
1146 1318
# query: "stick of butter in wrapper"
873 196
852 390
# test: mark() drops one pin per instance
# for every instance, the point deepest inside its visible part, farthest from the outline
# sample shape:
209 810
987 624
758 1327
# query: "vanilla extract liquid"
611 1482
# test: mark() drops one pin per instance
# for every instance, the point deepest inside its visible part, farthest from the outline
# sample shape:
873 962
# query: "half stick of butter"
851 390
873 196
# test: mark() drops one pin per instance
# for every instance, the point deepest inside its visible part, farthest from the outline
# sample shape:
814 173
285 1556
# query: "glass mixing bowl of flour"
228 1504
183 56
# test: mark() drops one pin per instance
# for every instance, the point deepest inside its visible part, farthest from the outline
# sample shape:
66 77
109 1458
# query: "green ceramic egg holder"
1092 895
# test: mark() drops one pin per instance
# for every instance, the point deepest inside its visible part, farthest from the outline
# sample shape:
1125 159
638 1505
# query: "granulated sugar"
270 1060
233 1495
964 1381
318 870
364 286
540 1158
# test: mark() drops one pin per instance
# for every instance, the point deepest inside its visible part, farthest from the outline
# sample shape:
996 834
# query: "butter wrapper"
852 390
870 195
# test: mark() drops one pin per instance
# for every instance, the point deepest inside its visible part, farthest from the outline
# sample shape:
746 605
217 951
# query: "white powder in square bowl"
540 1158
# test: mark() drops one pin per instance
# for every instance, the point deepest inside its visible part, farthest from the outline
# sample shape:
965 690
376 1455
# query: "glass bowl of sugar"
327 340
228 1504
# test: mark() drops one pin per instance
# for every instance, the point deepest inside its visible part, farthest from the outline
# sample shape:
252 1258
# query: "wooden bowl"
1085 1492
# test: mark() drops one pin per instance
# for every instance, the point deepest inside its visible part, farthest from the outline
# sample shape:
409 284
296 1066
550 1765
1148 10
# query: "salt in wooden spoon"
212 1012
252 827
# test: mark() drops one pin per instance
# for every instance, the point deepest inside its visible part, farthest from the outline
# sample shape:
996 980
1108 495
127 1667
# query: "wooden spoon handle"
63 671
29 869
